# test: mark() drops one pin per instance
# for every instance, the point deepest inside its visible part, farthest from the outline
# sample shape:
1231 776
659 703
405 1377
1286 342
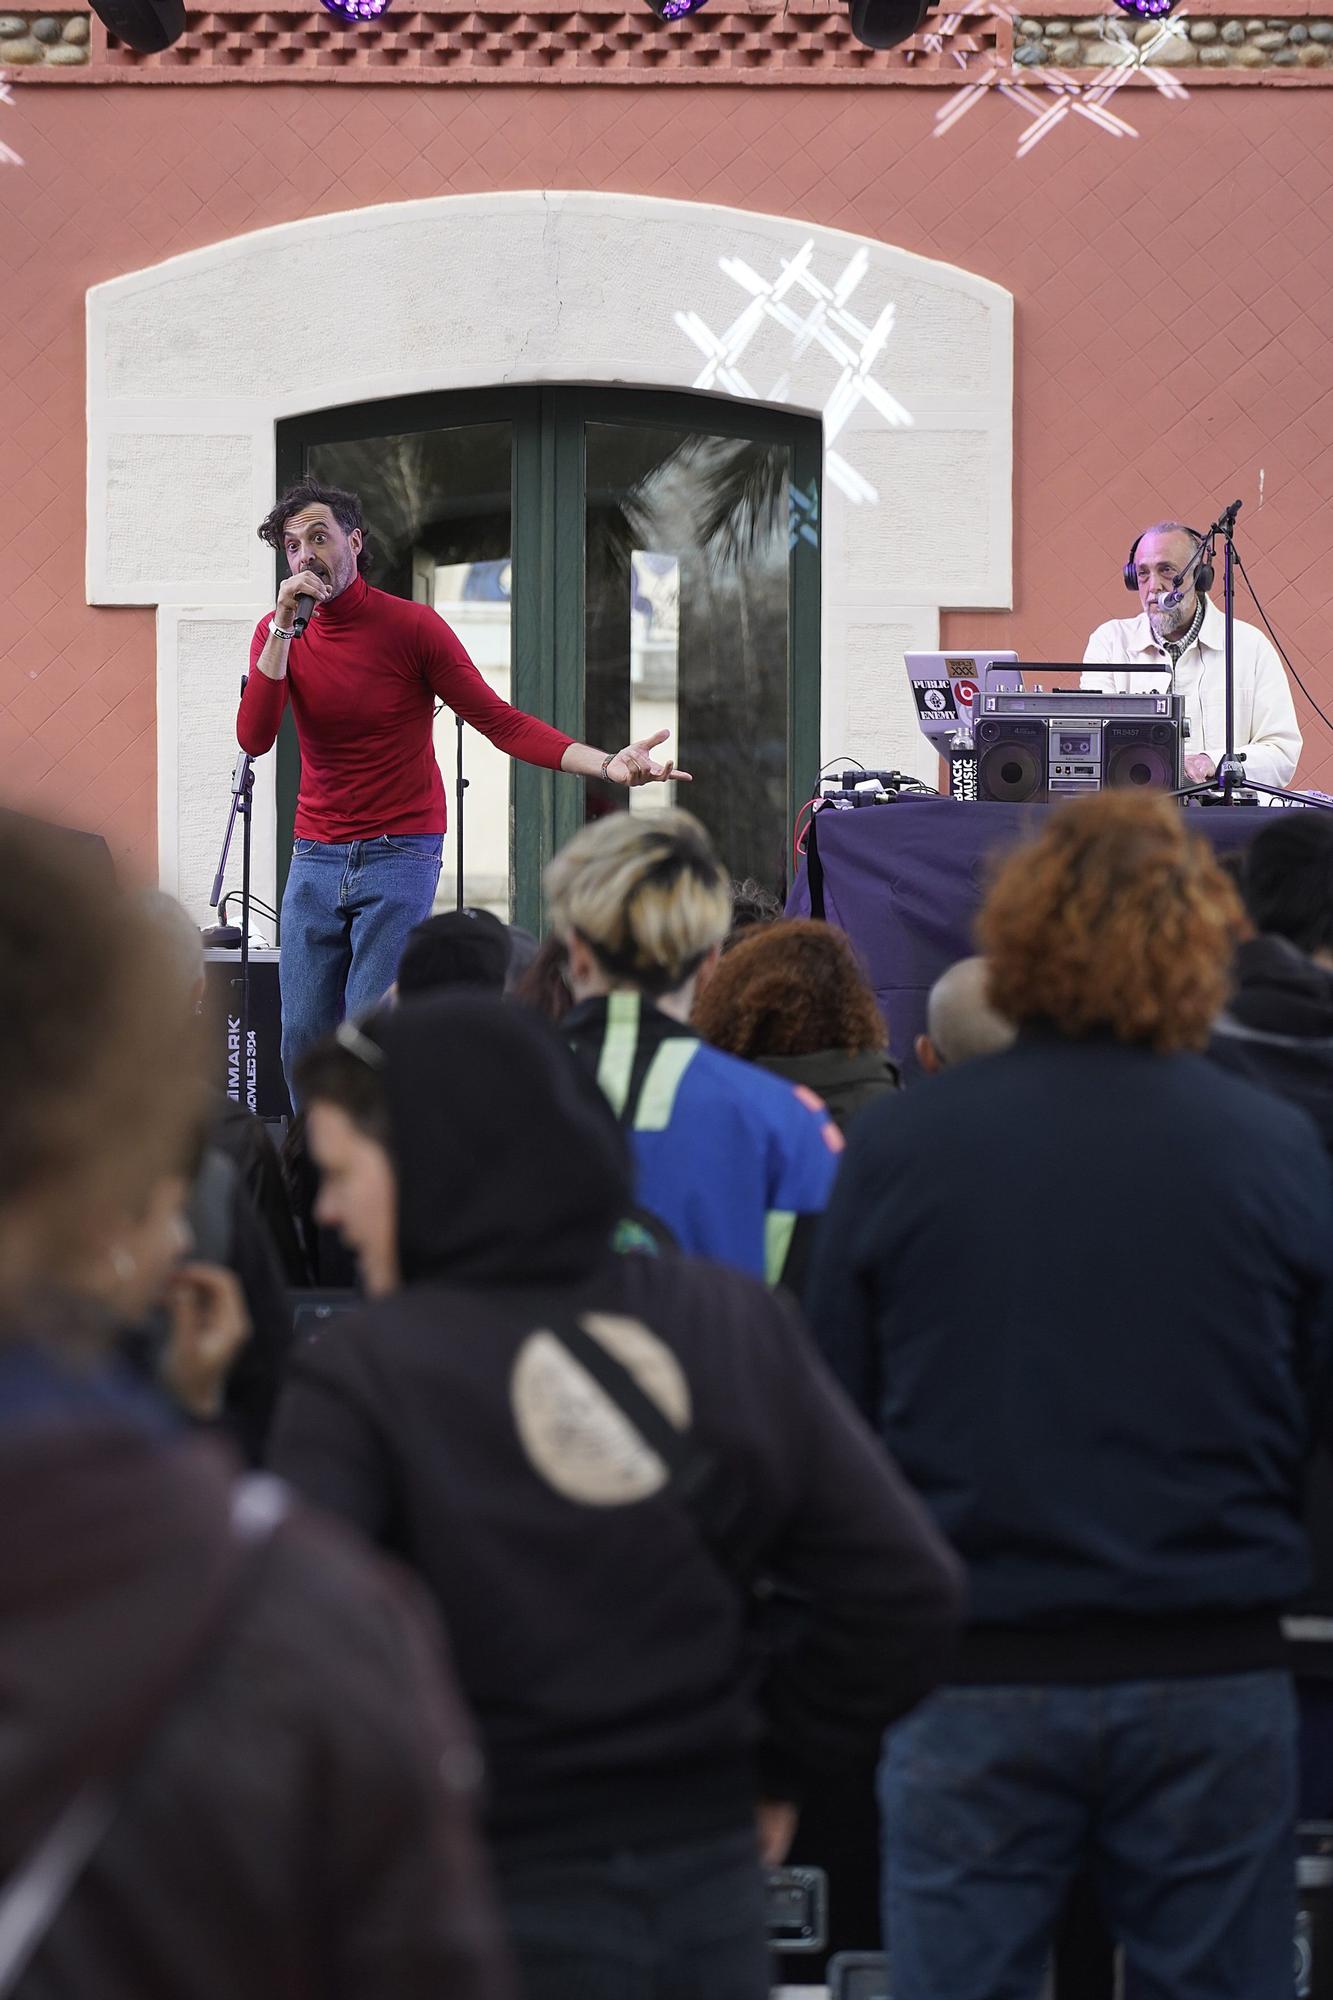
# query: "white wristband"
275 631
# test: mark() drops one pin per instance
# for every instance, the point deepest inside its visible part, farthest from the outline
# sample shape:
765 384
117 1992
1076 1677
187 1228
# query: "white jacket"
1266 726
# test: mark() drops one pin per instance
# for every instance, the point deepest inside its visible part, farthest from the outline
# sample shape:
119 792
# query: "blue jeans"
346 912
1179 1797
676 1923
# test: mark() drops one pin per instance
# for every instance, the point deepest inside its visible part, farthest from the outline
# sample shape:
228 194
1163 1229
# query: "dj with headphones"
1180 632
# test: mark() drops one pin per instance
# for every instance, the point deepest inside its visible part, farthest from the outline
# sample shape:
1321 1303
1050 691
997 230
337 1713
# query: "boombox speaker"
1011 758
1142 755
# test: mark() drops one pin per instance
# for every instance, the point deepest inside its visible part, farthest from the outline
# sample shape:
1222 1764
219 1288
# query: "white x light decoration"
8 157
813 313
1052 94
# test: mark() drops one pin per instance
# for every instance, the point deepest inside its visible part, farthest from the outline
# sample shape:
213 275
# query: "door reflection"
687 624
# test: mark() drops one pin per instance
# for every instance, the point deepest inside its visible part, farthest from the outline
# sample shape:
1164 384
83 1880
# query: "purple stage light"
1146 10
357 11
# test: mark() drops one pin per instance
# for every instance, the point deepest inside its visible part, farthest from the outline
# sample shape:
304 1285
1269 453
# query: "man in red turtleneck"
362 679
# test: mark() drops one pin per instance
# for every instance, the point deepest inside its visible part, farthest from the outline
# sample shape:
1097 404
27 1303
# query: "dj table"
905 881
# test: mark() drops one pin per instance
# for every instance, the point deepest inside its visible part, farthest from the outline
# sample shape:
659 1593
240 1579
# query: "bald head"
960 1021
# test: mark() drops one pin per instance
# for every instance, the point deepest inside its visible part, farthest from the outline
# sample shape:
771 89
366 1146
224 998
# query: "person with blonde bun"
738 1164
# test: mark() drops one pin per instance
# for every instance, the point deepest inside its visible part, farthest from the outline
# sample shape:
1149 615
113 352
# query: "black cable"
234 895
840 760
1278 643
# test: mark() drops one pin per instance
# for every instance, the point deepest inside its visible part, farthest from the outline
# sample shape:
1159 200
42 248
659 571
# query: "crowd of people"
714 1427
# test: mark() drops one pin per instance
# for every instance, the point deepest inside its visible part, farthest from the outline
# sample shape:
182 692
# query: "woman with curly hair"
792 998
1084 1290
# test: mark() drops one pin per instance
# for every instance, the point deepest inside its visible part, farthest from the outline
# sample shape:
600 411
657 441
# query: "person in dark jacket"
1277 1026
250 1714
598 1613
1083 1289
791 997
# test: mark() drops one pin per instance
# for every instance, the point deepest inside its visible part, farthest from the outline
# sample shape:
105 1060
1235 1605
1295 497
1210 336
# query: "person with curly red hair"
1084 1288
792 998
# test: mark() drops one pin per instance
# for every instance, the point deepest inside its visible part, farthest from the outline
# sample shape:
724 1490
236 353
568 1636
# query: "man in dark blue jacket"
1082 1287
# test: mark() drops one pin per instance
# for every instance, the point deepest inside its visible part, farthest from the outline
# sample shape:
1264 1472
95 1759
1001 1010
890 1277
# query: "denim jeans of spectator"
676 1923
1179 1796
346 912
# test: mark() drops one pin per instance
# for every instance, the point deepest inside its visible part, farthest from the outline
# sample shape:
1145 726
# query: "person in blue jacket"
736 1163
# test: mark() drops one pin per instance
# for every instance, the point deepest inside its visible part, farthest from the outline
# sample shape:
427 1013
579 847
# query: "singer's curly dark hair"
345 508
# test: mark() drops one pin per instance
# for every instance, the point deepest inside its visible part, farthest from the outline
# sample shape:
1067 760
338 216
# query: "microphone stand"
460 786
242 799
1230 774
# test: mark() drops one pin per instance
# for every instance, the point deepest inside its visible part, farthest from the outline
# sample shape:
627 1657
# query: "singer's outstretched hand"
636 765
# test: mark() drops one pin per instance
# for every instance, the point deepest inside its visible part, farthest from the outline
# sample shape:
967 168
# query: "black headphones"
1203 575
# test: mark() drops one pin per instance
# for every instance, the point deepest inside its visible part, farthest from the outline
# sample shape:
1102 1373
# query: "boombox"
1024 755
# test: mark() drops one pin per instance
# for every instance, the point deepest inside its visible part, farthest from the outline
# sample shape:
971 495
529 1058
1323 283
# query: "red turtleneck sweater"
363 678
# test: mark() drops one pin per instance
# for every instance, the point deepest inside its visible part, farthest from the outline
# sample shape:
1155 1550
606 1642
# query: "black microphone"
304 608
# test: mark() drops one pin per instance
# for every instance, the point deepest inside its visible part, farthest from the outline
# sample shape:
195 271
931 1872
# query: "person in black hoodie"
597 1610
228 1736
1083 1287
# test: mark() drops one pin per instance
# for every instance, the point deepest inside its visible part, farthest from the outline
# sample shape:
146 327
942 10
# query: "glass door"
687 623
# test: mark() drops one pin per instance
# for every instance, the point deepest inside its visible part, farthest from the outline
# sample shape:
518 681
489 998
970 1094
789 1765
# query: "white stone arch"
193 362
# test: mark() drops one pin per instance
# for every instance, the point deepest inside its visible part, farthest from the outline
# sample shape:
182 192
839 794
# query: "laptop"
947 689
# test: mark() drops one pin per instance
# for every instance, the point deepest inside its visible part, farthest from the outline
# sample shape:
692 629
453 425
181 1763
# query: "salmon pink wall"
1173 327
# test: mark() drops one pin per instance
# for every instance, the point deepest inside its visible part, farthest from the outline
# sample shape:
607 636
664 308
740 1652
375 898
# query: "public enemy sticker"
934 701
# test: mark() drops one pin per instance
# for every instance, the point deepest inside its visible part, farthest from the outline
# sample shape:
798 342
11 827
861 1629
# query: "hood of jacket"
116 1563
511 1168
836 1068
1280 991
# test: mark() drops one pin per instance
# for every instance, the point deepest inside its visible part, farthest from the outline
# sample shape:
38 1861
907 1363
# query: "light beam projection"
8 157
803 516
1053 94
813 313
951 29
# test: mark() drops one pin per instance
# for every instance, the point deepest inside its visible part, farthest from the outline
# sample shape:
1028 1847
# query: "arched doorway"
194 364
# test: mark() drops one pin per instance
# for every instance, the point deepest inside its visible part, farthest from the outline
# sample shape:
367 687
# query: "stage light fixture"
357 11
146 26
1146 10
882 24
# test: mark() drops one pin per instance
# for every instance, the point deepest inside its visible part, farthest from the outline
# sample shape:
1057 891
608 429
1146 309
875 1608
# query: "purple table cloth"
905 881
